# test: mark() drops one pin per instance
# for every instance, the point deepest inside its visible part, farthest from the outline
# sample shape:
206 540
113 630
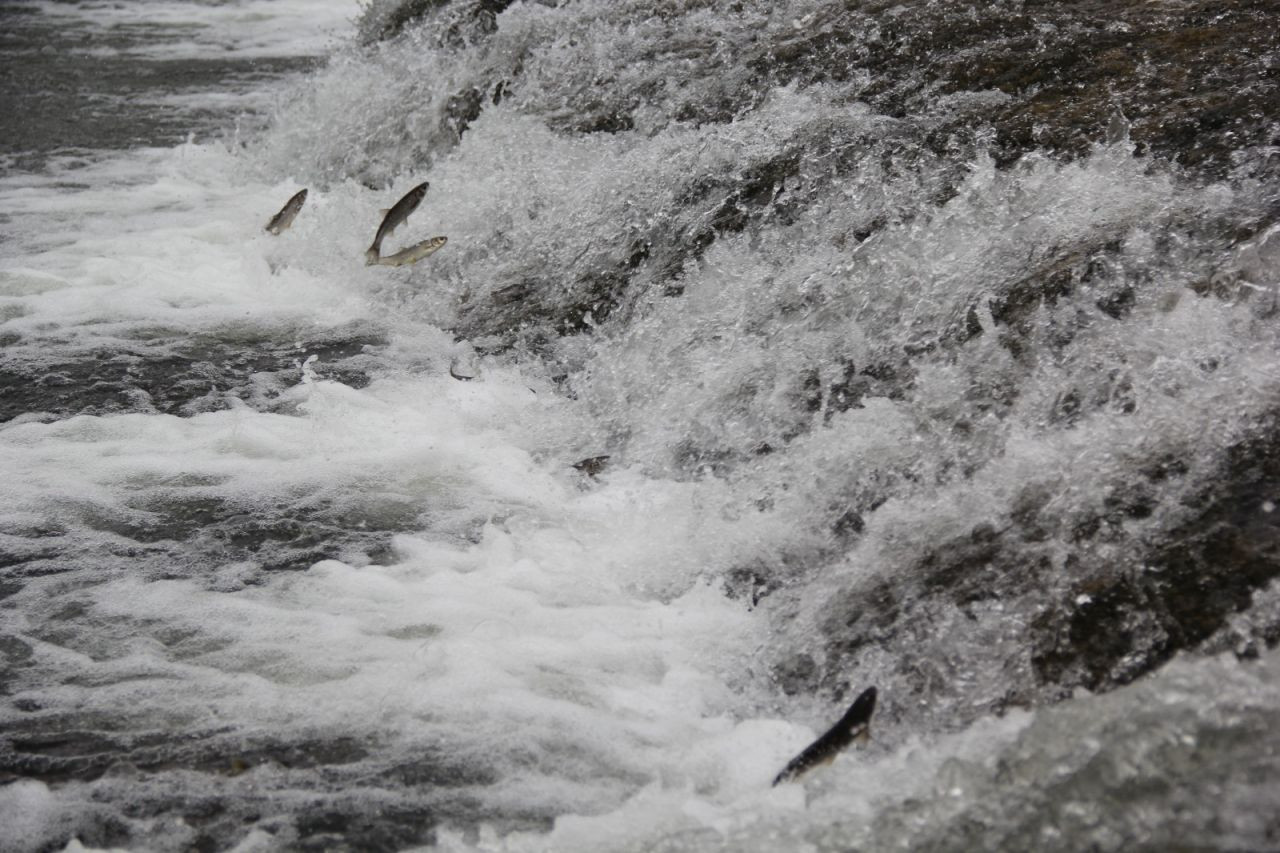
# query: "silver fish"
413 254
854 725
282 220
394 218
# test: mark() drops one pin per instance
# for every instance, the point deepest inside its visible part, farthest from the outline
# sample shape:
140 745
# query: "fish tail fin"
372 255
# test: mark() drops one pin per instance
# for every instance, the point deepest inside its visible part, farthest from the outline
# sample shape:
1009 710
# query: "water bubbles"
877 405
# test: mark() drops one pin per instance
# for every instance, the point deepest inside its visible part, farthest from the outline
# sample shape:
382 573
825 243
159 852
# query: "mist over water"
923 356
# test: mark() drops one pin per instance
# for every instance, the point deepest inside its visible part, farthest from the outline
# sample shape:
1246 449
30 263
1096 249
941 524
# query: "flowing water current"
923 354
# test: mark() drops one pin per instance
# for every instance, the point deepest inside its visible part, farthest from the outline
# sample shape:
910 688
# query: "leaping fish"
413 254
393 219
282 220
854 725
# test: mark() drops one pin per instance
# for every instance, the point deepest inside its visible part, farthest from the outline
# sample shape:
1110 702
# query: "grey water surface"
73 88
926 345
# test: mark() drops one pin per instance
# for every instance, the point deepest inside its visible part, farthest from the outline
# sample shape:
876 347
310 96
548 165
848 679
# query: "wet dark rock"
461 109
1181 591
1163 566
751 192
863 615
607 122
878 379
750 583
463 21
848 524
390 24
973 566
1191 78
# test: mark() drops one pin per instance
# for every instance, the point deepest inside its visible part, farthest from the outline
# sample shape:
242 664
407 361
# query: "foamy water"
536 614
395 598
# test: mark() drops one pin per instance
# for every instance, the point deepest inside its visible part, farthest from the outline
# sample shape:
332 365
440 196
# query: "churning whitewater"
778 351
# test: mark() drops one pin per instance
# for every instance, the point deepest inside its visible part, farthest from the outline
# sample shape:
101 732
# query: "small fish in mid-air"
854 725
393 219
413 254
282 220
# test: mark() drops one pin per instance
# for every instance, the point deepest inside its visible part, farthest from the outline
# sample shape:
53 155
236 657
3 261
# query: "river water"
911 371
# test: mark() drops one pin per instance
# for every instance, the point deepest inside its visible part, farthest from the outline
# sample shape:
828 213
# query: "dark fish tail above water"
394 218
282 220
854 725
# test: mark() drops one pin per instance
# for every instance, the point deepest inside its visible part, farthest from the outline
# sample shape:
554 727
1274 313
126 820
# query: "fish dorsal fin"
383 211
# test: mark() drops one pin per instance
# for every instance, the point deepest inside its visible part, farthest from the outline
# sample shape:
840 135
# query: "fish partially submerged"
854 725
593 465
394 218
465 366
412 254
282 220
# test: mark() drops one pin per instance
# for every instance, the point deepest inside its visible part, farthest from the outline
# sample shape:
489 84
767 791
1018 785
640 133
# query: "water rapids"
931 345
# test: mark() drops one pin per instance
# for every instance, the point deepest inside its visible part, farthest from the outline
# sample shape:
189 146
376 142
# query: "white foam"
29 813
571 634
577 616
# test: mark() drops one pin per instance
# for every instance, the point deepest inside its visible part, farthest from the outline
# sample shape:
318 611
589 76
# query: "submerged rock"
1094 603
1181 589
